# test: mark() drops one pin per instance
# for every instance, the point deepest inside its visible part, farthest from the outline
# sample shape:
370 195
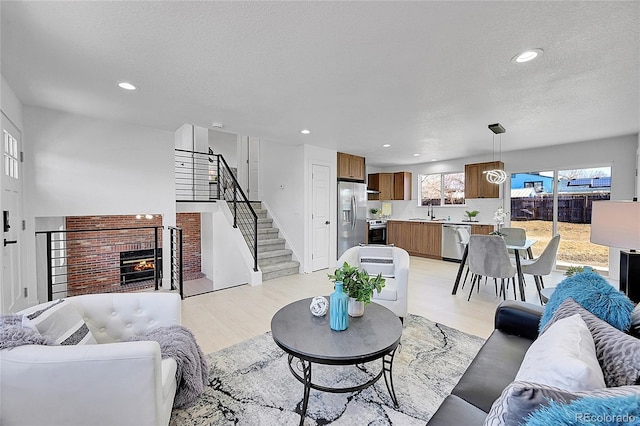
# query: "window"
441 189
10 155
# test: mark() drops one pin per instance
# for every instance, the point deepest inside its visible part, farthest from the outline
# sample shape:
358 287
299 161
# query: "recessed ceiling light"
527 55
386 145
216 125
126 85
434 159
305 131
416 155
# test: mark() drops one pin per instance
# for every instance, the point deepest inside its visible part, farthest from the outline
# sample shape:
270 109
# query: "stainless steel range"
377 231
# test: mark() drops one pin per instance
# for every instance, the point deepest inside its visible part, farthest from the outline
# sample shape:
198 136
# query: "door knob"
7 242
327 222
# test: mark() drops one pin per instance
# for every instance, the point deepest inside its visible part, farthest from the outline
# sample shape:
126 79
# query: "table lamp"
617 224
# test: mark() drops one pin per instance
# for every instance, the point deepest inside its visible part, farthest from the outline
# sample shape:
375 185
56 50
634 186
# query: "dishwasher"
452 250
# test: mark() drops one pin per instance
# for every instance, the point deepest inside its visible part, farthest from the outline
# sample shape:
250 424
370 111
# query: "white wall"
282 187
225 144
80 166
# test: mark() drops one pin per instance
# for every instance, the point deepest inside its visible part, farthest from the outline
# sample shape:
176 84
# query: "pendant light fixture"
496 176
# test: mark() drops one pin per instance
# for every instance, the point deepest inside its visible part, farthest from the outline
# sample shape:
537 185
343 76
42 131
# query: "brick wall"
93 258
191 247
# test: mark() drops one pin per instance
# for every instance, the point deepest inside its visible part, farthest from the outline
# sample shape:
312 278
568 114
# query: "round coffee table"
310 339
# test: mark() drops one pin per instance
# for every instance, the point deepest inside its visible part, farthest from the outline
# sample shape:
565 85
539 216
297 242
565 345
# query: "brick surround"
93 258
191 245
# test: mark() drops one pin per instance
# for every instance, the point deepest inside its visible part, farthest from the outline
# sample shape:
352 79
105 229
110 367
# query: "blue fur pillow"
618 411
596 295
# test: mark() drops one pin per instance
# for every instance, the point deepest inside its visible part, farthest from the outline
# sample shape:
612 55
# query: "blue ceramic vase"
339 309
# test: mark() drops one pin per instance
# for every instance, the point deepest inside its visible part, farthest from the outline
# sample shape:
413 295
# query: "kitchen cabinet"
481 229
382 182
417 238
351 167
402 186
475 181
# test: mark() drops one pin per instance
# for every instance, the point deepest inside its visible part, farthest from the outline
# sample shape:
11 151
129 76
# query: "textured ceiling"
425 77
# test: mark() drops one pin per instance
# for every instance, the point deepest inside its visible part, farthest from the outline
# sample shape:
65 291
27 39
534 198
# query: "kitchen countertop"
440 221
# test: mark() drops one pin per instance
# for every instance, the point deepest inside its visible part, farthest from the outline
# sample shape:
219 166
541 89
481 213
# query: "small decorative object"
358 284
356 308
471 215
319 306
499 216
338 309
572 270
374 212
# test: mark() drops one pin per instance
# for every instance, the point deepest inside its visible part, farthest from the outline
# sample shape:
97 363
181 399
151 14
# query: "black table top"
305 336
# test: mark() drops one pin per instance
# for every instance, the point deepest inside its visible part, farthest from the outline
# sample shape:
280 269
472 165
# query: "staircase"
273 258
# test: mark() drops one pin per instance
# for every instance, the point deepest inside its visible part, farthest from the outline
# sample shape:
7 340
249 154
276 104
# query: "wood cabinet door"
386 186
343 165
487 189
402 186
373 183
356 167
471 180
481 229
433 240
394 234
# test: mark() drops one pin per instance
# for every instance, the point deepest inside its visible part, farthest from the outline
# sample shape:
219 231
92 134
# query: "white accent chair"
109 383
394 295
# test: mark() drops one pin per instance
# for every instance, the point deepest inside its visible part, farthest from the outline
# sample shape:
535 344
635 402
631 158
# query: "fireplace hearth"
138 265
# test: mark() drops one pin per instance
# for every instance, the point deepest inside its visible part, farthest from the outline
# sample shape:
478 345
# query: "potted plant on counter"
374 213
471 215
358 285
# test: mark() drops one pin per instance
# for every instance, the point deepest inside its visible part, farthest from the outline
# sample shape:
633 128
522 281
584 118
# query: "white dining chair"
542 265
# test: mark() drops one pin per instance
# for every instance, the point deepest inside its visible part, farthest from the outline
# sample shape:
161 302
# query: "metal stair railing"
206 177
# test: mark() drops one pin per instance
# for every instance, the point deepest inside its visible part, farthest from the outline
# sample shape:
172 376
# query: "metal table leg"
460 269
520 277
387 365
306 367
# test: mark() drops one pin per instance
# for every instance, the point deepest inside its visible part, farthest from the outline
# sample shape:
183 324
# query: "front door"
321 215
11 296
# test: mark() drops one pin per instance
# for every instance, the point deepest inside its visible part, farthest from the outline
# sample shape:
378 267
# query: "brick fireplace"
95 259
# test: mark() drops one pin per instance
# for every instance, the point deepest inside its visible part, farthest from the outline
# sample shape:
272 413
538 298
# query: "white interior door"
12 297
321 216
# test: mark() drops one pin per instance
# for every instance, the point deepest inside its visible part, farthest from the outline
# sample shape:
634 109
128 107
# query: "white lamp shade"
616 224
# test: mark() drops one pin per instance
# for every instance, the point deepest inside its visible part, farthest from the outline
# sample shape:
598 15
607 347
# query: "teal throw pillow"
594 294
618 411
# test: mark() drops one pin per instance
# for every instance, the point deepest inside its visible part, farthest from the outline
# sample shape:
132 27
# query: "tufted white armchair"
111 383
394 295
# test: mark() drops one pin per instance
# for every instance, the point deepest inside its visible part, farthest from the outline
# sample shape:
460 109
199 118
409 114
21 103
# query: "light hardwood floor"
226 317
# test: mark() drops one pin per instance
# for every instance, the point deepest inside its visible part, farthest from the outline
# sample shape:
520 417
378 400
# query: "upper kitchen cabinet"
402 186
475 181
382 182
350 167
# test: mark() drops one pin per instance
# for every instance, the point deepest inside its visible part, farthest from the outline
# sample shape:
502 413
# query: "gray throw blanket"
13 334
178 343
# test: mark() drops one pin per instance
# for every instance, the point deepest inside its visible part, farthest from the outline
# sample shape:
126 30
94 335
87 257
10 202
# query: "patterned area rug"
250 383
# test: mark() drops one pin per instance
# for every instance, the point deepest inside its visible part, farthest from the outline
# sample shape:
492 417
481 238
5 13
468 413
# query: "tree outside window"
442 189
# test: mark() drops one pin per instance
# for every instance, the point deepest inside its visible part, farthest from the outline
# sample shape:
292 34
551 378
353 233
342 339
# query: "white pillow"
377 260
565 357
62 323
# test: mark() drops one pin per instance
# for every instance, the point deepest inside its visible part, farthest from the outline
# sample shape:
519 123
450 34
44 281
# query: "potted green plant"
471 214
358 285
374 212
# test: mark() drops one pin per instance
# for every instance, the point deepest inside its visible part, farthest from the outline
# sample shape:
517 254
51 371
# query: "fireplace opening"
138 265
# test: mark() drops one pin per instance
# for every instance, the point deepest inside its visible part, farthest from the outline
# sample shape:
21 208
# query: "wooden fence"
574 208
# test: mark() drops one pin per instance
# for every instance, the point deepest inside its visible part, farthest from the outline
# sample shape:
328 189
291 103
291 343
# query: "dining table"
526 246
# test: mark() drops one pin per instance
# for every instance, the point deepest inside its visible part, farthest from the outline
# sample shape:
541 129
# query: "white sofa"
110 383
394 295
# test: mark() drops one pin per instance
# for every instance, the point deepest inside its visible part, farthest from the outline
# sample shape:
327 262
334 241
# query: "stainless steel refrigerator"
352 215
